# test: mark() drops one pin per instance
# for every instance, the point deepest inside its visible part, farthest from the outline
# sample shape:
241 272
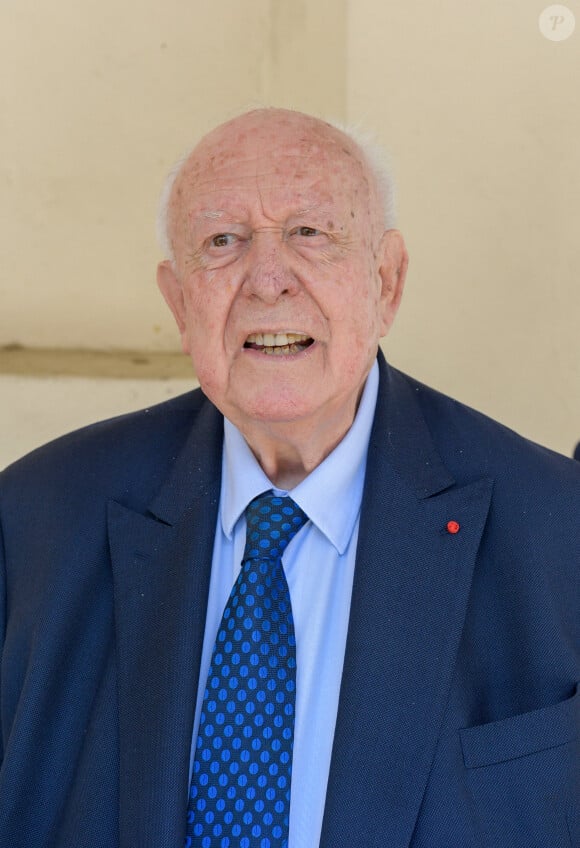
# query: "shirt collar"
340 476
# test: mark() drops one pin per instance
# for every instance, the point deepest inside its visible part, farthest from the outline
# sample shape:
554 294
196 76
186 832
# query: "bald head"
263 128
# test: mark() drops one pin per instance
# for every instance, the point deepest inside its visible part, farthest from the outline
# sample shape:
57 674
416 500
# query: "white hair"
375 157
162 220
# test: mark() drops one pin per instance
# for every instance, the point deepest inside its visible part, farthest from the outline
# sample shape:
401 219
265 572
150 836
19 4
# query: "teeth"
276 339
278 344
280 350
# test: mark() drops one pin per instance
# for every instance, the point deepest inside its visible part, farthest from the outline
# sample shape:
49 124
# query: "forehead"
294 161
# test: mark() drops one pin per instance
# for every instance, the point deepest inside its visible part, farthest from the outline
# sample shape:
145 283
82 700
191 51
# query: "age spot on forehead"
192 168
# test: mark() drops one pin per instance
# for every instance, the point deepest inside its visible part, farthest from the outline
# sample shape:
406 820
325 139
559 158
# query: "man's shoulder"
137 446
470 442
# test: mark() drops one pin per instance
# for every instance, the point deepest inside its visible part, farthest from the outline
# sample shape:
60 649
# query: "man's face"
283 281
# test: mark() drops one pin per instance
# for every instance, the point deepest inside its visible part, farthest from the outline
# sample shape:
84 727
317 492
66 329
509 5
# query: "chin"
277 410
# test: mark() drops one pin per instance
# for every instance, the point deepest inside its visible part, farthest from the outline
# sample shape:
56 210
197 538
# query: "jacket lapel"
410 593
161 567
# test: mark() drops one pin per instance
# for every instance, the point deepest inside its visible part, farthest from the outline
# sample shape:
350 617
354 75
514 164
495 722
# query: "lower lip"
279 357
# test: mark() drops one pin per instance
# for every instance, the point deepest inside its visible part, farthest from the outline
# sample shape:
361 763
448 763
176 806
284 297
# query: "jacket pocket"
521 735
522 775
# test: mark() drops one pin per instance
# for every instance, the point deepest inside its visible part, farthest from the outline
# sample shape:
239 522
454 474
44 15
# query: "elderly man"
314 603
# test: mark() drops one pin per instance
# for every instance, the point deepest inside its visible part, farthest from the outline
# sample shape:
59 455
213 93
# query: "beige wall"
481 113
99 99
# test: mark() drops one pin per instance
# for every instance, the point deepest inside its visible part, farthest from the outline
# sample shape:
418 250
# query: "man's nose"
269 274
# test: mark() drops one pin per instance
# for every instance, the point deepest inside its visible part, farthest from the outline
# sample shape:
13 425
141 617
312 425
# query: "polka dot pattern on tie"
240 791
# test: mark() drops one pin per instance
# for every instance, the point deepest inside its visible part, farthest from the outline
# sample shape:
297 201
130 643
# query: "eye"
222 240
307 231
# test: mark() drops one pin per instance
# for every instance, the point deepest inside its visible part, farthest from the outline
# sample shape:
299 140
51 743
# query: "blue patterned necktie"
240 790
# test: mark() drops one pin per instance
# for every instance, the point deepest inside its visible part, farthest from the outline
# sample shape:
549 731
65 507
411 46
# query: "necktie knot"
271 521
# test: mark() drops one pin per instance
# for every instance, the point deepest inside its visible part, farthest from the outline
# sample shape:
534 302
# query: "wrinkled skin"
276 227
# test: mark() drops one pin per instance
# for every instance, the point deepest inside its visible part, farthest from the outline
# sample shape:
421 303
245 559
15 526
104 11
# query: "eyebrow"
200 216
209 213
214 214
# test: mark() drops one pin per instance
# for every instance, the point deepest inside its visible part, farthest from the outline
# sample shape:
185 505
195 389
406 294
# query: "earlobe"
172 291
392 271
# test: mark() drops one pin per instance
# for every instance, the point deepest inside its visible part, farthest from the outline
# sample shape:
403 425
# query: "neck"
289 451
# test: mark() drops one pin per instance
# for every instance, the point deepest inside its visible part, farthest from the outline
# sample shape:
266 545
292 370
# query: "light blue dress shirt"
319 565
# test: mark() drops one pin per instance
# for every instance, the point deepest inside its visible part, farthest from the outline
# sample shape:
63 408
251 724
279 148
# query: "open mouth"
278 344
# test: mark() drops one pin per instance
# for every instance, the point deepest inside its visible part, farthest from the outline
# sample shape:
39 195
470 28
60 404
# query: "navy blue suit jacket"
458 722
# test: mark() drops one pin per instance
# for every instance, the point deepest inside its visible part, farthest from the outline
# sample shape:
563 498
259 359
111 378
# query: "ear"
172 291
392 271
